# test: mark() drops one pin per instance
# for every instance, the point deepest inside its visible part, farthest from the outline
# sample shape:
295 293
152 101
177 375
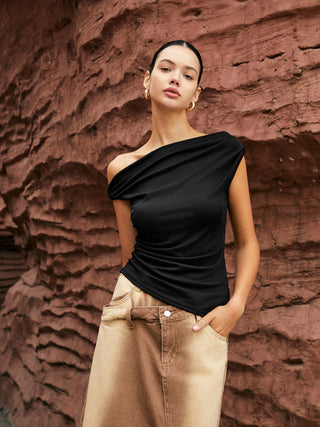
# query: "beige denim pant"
150 369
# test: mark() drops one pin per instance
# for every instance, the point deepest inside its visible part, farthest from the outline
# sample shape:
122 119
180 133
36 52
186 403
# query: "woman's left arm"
224 317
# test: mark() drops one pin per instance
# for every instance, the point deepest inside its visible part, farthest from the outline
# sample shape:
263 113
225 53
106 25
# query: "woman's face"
173 81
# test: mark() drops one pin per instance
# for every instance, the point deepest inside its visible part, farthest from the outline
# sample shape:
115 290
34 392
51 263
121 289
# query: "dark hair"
177 43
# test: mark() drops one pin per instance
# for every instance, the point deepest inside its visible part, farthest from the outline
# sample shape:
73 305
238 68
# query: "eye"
189 77
165 69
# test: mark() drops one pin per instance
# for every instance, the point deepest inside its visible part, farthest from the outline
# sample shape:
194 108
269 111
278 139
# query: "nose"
175 81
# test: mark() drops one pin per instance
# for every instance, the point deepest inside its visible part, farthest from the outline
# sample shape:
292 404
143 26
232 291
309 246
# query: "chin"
170 106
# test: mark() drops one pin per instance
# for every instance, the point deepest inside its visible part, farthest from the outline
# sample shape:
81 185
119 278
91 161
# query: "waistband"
162 314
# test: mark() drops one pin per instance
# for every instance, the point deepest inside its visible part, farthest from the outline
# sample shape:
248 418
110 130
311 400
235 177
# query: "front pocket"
214 332
119 299
122 291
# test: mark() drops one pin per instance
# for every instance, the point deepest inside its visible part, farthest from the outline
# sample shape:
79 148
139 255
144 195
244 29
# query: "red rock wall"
12 263
71 98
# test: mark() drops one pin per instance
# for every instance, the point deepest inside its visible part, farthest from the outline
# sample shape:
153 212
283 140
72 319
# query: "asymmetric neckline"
178 195
166 146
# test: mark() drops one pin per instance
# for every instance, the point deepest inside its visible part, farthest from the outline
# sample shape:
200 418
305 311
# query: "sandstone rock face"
71 99
12 263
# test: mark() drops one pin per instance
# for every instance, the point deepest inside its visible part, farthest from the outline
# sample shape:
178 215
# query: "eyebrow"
186 66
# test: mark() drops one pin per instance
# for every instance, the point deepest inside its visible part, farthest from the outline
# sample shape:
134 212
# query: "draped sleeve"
236 151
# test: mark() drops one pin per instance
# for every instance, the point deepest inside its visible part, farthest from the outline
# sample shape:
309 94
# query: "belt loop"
129 319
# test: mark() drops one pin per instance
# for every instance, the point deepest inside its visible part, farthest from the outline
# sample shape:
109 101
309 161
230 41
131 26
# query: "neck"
169 127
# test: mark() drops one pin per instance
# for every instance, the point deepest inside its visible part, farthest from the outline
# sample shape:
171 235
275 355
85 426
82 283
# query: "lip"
172 92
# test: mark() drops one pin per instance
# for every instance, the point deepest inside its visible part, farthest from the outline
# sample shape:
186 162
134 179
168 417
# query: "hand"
222 318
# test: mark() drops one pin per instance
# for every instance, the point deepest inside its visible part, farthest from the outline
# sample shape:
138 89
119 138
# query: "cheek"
157 82
190 91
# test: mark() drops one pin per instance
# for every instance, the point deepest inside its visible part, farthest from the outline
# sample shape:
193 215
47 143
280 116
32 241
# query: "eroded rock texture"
71 98
12 263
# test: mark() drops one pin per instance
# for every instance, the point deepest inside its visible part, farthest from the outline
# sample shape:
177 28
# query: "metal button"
167 313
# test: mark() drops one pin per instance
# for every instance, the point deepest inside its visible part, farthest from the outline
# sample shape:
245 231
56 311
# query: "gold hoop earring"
191 107
147 94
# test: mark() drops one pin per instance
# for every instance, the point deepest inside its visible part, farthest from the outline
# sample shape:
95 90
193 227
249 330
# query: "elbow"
248 243
250 250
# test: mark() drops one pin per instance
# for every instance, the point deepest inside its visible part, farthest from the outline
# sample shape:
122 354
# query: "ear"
196 94
146 81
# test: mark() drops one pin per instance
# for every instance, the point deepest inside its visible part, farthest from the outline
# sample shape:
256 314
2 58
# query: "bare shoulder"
120 162
115 166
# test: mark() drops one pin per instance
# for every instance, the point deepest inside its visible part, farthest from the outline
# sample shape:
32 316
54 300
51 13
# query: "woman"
161 353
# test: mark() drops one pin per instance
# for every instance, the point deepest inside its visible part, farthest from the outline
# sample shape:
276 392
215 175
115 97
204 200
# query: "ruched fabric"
179 199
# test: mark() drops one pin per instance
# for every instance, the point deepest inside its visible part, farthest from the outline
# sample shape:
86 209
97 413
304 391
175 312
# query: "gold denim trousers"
150 369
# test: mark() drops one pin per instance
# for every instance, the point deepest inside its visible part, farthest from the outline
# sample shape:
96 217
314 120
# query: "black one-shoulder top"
179 200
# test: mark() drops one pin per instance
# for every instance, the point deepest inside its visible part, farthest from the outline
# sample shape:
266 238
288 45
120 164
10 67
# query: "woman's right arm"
122 208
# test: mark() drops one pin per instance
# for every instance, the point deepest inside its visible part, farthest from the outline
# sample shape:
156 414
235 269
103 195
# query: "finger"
201 323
